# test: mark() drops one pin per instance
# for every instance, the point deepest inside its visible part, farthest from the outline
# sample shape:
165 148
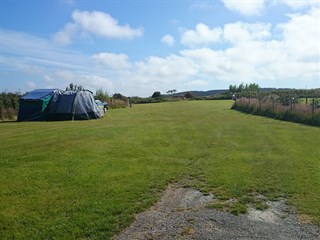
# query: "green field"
87 179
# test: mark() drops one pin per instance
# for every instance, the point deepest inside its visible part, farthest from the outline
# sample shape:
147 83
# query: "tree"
173 91
188 95
101 95
254 87
240 88
156 94
119 96
232 88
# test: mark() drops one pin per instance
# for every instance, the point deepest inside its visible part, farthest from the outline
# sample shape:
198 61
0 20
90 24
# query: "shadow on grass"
8 121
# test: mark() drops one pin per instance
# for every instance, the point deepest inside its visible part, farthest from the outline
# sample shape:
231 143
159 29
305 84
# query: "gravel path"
182 214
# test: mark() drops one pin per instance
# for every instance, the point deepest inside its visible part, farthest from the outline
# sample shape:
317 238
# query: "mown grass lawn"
87 179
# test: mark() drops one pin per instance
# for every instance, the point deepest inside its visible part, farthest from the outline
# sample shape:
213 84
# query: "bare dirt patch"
182 213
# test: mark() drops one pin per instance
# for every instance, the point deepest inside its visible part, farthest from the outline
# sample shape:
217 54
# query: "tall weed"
8 114
297 113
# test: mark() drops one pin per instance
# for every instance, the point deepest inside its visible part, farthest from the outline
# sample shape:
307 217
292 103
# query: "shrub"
9 105
117 103
281 112
8 114
119 96
139 100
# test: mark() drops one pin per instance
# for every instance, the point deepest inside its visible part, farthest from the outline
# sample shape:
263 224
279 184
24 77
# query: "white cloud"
236 33
27 50
104 25
167 69
256 7
245 7
171 72
296 4
168 39
255 56
96 23
31 85
301 35
91 81
197 84
202 35
239 32
209 62
115 61
66 35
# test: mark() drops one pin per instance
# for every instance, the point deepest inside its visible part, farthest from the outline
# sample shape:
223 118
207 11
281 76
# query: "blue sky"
138 47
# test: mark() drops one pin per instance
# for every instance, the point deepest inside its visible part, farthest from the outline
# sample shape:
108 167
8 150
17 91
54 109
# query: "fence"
302 110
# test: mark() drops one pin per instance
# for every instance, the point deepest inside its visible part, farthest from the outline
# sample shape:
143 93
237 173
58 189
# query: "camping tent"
33 106
54 104
74 105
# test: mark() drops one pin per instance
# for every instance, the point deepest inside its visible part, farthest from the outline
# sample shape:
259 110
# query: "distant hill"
201 93
204 93
220 91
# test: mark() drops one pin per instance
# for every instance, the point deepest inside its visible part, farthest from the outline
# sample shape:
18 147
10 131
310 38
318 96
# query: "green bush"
139 100
9 105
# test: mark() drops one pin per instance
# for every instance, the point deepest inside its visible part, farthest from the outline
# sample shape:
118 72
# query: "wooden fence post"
313 107
273 104
260 100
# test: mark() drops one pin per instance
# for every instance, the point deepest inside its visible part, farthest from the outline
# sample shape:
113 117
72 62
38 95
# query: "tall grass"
117 103
8 114
294 112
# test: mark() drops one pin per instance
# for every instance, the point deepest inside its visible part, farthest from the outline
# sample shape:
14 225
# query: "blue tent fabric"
62 108
33 105
39 94
55 105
